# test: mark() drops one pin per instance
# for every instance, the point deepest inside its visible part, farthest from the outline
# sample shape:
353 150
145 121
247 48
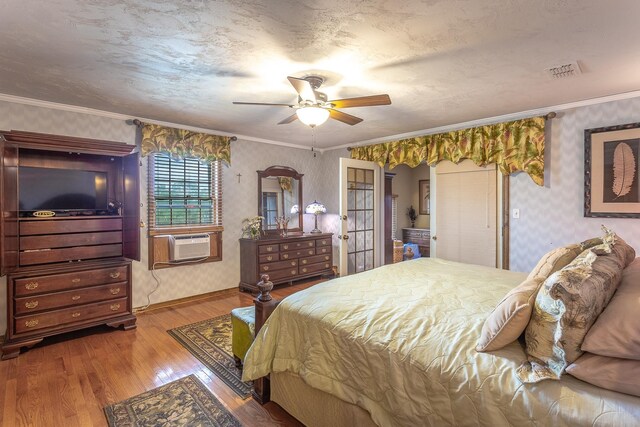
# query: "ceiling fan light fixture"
312 116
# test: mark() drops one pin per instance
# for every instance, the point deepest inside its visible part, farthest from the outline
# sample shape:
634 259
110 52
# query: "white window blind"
184 192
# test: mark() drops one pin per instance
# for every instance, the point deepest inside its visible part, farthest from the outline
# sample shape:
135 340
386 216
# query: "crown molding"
496 119
127 118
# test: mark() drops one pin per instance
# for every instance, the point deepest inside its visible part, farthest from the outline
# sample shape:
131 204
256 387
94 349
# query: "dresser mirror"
280 195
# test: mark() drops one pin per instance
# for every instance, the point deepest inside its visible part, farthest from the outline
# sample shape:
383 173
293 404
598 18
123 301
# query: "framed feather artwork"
611 171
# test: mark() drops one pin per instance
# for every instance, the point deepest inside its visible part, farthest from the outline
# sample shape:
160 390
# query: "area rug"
210 342
184 402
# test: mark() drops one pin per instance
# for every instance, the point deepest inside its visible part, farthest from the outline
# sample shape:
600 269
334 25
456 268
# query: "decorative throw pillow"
568 304
558 258
510 317
616 333
622 375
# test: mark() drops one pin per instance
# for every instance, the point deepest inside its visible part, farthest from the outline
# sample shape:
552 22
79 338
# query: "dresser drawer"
288 273
298 254
268 258
323 242
69 226
45 284
267 249
80 314
324 250
36 303
312 268
314 259
297 245
269 267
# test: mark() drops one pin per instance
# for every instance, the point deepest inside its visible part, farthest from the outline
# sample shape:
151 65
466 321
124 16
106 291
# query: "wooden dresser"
72 270
284 259
419 236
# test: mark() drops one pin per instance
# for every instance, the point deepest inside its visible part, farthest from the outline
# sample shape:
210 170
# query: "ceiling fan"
313 108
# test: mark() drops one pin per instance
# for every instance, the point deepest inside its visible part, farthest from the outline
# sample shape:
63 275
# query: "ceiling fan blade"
362 101
262 103
289 119
344 117
303 88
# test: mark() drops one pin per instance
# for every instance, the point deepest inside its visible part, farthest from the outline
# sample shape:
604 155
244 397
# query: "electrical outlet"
516 213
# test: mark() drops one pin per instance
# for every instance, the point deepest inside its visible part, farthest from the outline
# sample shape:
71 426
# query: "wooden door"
9 211
131 207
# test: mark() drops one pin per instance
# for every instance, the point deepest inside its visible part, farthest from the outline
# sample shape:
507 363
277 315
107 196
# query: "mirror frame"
281 171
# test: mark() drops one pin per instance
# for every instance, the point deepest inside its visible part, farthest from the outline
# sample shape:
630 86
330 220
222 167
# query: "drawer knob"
269 258
114 307
304 261
285 256
76 314
310 252
285 246
269 248
114 291
31 304
76 280
114 275
310 244
324 250
293 272
324 242
293 263
31 285
31 323
326 266
265 267
326 257
304 270
75 297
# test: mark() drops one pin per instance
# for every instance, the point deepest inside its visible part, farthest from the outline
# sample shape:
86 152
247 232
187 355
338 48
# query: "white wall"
552 215
239 198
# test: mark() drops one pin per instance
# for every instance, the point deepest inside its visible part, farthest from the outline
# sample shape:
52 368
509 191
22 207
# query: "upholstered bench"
243 326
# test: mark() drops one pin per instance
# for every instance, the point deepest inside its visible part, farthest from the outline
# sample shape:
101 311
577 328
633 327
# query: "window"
270 210
184 192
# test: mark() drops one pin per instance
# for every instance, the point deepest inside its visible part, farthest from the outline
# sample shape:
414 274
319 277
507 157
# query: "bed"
396 346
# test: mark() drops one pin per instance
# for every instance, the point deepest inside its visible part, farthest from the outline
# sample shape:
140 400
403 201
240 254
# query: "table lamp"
316 209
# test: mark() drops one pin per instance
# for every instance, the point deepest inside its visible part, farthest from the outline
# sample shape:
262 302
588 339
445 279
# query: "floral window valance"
514 146
185 143
285 183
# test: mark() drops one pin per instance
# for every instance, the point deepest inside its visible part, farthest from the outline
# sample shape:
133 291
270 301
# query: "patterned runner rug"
184 402
210 342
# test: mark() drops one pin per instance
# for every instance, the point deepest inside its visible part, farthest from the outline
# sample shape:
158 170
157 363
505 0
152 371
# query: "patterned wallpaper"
553 215
549 216
239 198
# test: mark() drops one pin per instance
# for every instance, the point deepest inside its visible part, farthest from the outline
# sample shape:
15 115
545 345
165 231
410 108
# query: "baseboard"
224 293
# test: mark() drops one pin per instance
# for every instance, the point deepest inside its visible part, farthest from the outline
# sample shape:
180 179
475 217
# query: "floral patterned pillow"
568 304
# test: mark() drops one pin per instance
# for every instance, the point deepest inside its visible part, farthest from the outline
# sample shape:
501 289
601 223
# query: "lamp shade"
312 116
315 208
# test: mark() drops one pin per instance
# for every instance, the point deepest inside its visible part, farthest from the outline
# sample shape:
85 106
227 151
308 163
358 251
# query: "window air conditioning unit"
189 246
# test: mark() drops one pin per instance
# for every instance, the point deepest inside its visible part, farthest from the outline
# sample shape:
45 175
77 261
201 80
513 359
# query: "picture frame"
612 171
424 205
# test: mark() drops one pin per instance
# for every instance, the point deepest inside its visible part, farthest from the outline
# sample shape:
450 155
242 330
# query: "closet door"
9 203
466 222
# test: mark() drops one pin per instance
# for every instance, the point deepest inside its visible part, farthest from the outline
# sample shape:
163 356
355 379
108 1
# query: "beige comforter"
399 341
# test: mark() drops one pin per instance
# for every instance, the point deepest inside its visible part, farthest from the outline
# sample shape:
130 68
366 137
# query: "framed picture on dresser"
424 207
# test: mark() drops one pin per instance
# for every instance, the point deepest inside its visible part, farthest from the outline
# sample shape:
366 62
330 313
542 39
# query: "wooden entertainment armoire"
73 271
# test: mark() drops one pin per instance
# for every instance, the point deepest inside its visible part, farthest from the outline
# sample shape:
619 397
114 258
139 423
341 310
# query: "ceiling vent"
563 71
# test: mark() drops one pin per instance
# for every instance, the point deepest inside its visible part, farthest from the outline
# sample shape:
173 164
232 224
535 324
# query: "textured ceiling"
441 62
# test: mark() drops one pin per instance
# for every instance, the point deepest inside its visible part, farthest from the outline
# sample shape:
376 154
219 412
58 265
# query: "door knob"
435 238
344 217
345 237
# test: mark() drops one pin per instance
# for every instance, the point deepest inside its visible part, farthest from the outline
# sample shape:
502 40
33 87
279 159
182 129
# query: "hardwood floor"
68 380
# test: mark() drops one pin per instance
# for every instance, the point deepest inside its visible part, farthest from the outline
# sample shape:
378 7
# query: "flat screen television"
61 190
